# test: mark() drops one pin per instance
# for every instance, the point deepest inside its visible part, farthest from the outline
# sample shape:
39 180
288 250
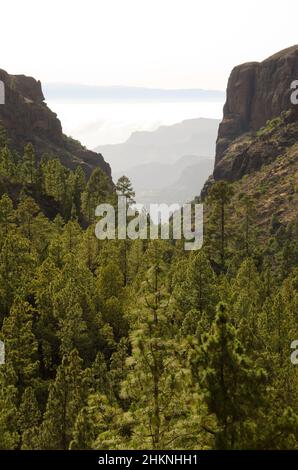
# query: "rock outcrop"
27 118
256 93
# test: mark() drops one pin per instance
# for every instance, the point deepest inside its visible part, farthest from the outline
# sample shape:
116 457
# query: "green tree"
7 166
124 188
9 437
79 186
231 386
195 289
154 383
20 343
236 390
246 231
55 177
7 215
72 328
29 418
101 425
220 195
16 270
97 191
28 165
247 304
4 140
67 396
26 214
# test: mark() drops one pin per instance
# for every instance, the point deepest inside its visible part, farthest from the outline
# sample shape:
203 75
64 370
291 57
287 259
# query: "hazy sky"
154 43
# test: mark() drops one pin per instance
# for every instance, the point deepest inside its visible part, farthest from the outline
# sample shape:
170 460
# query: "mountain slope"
257 145
26 118
256 92
273 188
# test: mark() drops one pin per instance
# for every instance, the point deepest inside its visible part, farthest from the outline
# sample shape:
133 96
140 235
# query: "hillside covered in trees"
121 344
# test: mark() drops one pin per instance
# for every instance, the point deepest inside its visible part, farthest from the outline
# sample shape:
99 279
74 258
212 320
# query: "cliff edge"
27 118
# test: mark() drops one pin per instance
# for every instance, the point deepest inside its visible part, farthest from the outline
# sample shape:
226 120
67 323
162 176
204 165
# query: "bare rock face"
256 92
27 118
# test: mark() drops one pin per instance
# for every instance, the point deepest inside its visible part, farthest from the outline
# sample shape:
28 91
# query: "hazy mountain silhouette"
164 145
176 182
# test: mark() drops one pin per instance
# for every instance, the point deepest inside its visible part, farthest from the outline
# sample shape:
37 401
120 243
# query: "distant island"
66 92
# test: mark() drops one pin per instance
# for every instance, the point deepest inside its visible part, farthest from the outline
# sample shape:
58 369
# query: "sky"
151 43
165 44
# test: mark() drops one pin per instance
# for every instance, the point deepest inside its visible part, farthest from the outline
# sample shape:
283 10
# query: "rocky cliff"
256 93
257 145
27 118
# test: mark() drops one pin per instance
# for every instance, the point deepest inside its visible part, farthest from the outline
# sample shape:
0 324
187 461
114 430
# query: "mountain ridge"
256 92
27 118
165 144
261 156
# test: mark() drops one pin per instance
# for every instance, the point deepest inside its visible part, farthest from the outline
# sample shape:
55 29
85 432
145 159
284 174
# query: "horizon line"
76 92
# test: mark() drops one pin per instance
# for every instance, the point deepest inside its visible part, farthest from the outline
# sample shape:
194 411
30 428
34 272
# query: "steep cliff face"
257 145
259 122
27 118
256 93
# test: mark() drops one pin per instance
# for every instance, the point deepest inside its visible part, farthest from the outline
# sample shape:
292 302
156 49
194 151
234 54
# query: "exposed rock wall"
27 118
256 93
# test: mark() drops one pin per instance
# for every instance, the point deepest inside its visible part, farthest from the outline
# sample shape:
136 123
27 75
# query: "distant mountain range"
71 92
169 164
164 145
170 183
